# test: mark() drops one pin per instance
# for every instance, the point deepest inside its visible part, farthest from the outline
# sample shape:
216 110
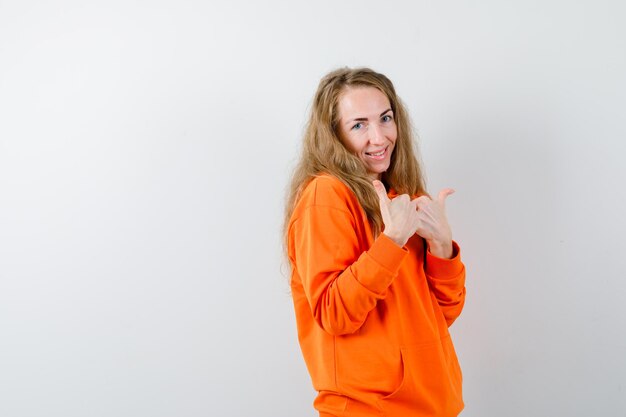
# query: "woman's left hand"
433 223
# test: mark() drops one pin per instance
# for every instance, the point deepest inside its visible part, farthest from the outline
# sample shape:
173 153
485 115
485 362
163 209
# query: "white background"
145 148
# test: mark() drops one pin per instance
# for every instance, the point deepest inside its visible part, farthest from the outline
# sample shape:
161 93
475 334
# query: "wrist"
397 240
441 249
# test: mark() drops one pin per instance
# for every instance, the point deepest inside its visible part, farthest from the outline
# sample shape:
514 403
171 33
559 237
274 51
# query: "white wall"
144 152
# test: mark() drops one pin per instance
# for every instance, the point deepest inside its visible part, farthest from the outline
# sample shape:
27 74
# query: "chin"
378 170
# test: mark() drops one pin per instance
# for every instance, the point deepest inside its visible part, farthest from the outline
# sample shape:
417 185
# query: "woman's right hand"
399 215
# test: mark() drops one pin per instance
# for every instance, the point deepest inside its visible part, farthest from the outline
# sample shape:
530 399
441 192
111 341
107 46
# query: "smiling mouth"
377 155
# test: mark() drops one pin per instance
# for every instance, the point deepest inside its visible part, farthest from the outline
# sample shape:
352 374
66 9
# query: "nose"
376 134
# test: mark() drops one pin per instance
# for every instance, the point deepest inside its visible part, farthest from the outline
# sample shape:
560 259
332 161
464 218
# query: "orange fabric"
372 317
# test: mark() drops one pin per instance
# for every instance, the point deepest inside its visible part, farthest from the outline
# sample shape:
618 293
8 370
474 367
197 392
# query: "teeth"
379 153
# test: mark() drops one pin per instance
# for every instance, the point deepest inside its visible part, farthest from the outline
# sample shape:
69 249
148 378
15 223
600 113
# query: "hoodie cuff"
383 260
440 268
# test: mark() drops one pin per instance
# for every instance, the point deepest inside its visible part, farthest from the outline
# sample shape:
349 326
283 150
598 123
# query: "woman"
376 278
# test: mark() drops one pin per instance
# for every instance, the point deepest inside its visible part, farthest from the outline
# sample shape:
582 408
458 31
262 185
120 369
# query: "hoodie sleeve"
342 281
446 278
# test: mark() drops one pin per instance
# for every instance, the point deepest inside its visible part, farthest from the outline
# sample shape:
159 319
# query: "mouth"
378 155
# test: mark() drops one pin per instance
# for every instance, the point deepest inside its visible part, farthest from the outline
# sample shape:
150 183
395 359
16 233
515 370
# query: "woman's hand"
433 223
404 217
400 215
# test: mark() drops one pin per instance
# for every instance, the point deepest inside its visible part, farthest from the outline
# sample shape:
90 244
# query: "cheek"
353 142
391 132
395 135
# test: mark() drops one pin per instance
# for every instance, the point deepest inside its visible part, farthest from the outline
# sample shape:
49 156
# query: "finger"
422 201
443 194
381 191
403 197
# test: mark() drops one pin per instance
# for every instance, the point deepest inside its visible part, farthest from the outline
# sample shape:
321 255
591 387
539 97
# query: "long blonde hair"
324 152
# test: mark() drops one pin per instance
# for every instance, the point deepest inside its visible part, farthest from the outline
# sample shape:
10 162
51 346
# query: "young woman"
376 277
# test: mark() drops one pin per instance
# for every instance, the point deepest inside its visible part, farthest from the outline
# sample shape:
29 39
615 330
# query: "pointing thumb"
443 194
381 191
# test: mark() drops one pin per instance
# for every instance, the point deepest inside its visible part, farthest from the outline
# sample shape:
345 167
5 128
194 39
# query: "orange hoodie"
372 317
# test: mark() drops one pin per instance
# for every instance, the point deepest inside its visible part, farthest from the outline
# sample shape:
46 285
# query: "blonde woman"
376 278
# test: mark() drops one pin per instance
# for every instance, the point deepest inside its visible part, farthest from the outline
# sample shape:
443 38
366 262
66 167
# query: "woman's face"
367 127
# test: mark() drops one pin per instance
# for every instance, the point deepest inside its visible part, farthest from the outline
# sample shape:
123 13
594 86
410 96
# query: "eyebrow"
364 119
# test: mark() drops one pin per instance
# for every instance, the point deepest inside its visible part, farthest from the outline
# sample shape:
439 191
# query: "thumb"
443 194
381 191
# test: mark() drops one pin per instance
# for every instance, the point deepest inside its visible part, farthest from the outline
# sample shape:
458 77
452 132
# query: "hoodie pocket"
402 379
431 384
375 370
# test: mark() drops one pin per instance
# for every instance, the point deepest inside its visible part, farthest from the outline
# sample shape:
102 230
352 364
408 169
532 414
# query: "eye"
357 126
387 118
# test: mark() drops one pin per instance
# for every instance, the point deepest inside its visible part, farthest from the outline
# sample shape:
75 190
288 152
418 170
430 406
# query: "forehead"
362 102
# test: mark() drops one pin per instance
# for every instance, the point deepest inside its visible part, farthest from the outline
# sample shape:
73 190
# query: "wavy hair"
324 152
